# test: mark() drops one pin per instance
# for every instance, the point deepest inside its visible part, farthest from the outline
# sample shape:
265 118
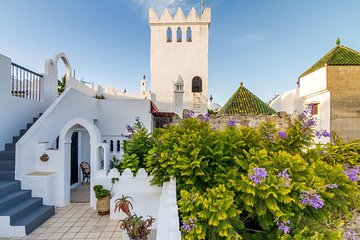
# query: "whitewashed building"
44 137
179 60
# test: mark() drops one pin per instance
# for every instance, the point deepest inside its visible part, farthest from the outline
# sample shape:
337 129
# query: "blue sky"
265 44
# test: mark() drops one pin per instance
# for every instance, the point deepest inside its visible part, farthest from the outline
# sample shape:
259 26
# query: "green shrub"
136 148
244 183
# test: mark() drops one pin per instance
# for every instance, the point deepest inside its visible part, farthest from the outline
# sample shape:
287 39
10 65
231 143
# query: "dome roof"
214 106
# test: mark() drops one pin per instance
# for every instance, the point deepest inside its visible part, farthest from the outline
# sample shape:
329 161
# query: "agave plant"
123 204
136 227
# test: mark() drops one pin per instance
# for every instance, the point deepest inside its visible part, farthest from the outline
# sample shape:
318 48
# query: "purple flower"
352 173
190 114
284 176
322 133
331 186
259 175
271 137
282 134
187 227
127 135
284 226
309 123
350 235
207 117
311 198
232 122
129 128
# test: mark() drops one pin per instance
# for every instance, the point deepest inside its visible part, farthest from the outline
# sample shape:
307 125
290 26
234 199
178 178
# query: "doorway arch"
65 148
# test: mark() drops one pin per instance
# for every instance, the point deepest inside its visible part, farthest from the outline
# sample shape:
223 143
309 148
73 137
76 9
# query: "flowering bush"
244 183
136 147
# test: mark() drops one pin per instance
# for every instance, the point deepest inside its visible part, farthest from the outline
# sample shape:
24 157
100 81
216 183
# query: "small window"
179 35
169 35
188 35
118 145
111 145
314 108
104 141
196 84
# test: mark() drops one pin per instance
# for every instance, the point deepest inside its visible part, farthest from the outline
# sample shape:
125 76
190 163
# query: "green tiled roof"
245 102
338 56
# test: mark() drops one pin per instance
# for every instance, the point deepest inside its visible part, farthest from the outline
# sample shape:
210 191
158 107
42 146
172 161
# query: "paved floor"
81 194
78 221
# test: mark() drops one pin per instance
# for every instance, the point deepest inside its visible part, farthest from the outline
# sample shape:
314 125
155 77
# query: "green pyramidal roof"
338 56
245 102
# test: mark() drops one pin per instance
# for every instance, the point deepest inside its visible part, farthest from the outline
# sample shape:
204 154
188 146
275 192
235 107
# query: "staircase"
20 213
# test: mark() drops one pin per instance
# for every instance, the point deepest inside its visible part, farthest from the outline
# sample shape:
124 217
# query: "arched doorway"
85 131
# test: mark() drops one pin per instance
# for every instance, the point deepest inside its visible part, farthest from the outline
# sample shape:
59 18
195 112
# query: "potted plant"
103 200
135 226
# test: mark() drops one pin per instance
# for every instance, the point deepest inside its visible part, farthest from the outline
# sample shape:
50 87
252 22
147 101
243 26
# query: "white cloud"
160 5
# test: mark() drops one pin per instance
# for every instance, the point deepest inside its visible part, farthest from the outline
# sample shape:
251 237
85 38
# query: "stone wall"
354 224
344 85
281 120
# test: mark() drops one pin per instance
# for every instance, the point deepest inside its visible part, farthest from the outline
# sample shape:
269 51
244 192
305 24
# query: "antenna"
202 6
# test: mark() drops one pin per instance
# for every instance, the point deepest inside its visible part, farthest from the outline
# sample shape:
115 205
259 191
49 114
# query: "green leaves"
212 169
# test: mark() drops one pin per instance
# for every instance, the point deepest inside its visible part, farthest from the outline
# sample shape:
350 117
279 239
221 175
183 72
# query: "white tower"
179 50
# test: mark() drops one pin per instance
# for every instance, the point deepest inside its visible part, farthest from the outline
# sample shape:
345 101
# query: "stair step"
7 155
23 208
28 125
22 132
34 219
7 187
7 165
7 175
16 139
10 146
11 199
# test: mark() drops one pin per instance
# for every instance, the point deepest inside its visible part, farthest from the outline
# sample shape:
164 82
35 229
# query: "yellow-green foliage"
214 170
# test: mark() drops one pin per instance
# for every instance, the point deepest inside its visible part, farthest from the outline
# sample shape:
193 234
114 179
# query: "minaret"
179 96
143 87
179 47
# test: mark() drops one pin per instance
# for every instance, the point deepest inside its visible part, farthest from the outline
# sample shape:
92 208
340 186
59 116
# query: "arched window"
197 84
188 35
111 145
118 145
169 35
179 34
104 141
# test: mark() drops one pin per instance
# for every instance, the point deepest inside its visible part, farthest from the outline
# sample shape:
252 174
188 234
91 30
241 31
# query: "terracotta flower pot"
103 206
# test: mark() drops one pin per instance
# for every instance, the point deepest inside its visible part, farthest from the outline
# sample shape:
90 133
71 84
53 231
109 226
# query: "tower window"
169 35
188 35
179 34
197 84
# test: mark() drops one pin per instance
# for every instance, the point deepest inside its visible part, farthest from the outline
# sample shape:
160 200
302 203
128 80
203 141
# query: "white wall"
15 112
108 116
313 83
189 59
323 117
288 102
